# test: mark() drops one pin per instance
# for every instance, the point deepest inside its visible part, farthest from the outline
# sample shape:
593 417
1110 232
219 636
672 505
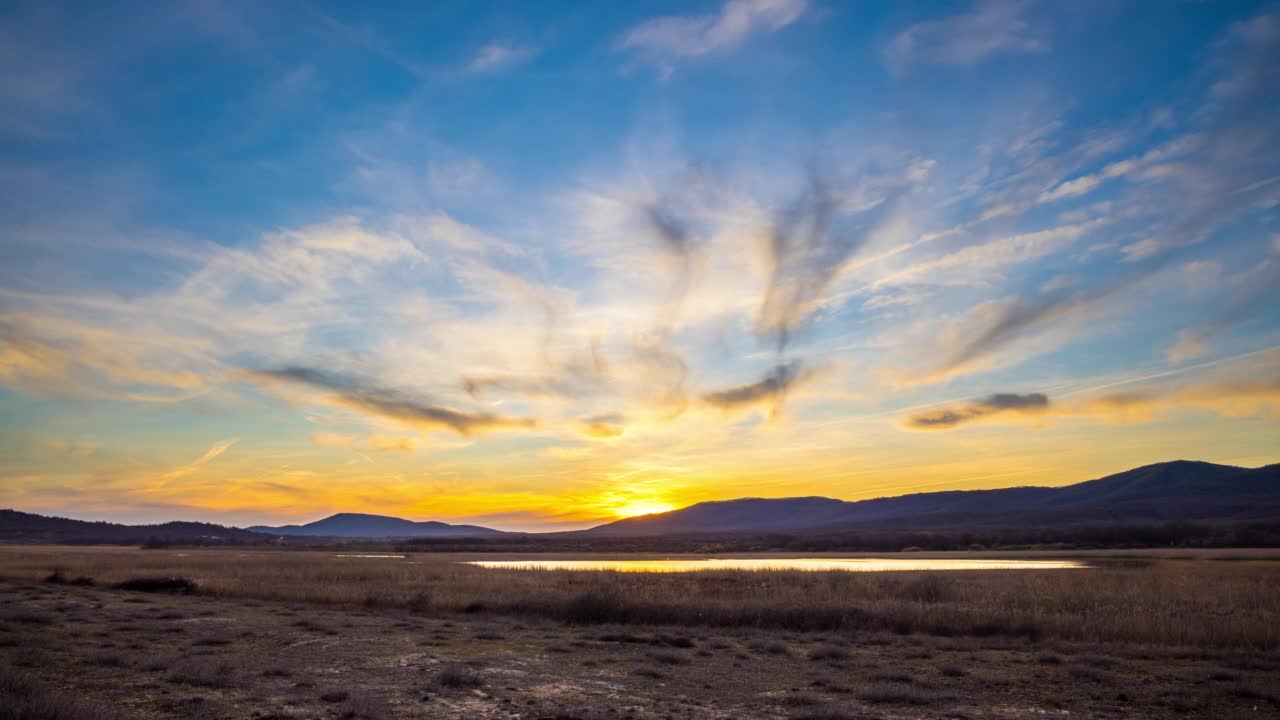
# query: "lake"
810 564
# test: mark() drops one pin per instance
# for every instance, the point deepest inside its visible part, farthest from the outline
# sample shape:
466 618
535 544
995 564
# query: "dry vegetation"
277 635
1234 603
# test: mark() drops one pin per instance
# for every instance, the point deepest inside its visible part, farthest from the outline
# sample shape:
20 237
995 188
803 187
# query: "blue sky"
545 264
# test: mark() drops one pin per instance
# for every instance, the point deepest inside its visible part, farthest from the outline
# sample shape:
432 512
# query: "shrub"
890 693
927 588
826 714
457 677
829 651
595 606
801 699
361 705
769 648
178 585
670 657
420 602
201 672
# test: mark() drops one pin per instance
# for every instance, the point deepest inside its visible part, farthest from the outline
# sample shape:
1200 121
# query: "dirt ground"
150 655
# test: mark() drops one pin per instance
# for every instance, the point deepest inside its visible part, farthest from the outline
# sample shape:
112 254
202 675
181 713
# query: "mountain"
358 525
1173 491
21 527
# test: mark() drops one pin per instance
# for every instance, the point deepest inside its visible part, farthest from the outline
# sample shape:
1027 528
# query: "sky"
544 265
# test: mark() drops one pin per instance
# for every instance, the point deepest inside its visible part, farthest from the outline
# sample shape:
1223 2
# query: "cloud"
990 28
663 41
378 443
390 404
603 427
1086 183
1254 293
772 388
982 263
1234 397
390 443
969 343
214 451
998 404
805 255
1242 387
495 56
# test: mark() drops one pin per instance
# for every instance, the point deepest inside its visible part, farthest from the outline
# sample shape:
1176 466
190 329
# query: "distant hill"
1179 491
358 525
1173 491
29 528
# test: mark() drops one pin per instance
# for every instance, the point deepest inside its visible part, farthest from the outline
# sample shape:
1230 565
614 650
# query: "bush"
178 585
670 657
895 694
457 677
927 588
201 672
829 652
595 606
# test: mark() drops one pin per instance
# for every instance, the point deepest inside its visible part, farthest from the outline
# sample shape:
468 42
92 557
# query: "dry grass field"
288 634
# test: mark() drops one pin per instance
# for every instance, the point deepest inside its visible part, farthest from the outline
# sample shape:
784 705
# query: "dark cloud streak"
773 387
949 418
358 394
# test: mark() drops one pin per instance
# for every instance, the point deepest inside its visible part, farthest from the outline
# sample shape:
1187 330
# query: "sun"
642 507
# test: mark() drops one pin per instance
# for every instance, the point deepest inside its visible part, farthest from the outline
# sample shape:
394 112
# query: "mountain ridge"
1169 491
1173 491
366 525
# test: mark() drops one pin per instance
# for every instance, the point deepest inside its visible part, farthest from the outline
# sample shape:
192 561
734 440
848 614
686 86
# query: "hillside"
358 525
29 528
1172 491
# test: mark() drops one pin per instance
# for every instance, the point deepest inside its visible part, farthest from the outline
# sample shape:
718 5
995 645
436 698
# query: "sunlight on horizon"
538 268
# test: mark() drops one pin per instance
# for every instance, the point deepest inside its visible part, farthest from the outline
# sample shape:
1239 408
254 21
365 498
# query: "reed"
1199 602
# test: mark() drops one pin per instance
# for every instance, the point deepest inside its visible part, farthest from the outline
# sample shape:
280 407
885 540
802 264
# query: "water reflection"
368 555
847 564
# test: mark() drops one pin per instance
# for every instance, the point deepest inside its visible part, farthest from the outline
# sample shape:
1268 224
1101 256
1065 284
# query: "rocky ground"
91 652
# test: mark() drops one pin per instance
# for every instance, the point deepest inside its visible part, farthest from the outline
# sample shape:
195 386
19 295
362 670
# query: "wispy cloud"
1233 387
214 451
362 396
603 427
497 56
665 40
991 27
947 418
1252 292
771 389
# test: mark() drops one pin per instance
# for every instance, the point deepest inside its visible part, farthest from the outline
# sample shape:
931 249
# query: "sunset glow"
546 266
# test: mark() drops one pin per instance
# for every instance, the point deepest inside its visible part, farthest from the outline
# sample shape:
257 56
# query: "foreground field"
302 635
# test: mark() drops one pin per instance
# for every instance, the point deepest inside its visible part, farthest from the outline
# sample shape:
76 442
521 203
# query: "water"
368 555
846 564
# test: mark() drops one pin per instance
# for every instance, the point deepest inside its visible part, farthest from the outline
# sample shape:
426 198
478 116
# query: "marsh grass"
1233 604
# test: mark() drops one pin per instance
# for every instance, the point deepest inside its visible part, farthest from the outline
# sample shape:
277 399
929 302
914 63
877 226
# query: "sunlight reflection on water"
847 564
366 555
